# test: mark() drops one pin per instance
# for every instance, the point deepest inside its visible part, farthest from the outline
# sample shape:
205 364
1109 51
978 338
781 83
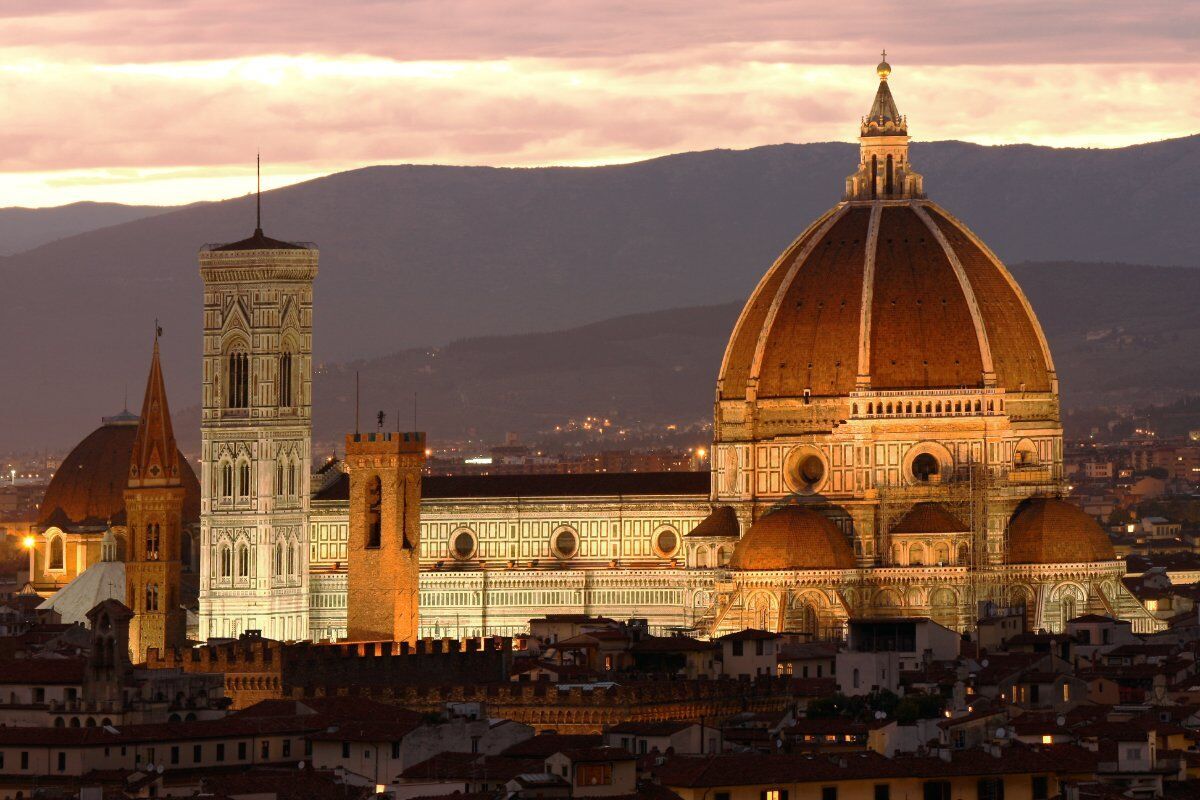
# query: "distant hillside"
1128 342
413 256
23 229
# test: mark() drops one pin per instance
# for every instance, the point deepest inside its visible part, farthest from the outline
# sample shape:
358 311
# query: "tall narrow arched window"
152 597
1067 605
285 380
291 561
244 479
226 562
227 480
152 542
279 558
874 176
888 190
243 562
239 379
57 559
291 483
374 512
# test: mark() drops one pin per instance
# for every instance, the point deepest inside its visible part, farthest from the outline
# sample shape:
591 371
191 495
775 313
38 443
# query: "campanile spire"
155 459
884 172
154 498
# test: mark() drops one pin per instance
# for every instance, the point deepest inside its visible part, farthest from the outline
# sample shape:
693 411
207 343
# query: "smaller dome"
930 518
88 488
793 538
1046 530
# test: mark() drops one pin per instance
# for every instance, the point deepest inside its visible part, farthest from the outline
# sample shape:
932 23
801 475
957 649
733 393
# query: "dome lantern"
884 172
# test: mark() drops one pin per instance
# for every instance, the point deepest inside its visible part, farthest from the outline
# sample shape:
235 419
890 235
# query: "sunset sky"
165 101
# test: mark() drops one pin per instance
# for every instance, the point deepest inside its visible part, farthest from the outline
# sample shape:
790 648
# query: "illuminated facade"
887 442
256 437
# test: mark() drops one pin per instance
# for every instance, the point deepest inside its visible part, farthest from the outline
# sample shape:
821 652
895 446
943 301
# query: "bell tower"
154 509
384 545
256 437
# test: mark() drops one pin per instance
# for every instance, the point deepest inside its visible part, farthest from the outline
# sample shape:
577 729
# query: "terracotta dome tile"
1017 355
740 351
922 334
722 522
88 488
1051 531
813 343
793 538
929 518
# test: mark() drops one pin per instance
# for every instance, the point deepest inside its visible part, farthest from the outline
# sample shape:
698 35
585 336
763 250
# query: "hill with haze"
416 256
23 229
1119 334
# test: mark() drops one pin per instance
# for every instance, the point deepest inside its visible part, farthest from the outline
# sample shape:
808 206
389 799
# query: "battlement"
265 655
580 708
545 692
257 669
385 443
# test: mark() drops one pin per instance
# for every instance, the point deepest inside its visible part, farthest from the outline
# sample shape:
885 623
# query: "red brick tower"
385 535
154 511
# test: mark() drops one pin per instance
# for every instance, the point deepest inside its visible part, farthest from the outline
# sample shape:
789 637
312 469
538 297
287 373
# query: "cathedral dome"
887 291
1051 531
793 538
88 488
895 296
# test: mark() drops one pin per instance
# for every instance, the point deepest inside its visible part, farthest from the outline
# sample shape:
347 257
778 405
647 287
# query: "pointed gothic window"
291 480
239 379
226 480
279 558
285 380
279 478
244 479
226 562
291 561
243 562
152 597
374 512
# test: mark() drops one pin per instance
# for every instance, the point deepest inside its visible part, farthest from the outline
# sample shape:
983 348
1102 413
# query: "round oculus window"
464 545
805 471
925 467
666 542
565 543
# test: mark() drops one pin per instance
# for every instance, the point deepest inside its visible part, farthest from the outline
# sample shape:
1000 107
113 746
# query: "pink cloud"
193 86
932 32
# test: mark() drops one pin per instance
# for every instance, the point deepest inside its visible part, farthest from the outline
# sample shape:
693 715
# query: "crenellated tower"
154 498
256 434
384 547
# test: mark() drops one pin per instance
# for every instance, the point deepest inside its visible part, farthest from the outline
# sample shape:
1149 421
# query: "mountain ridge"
412 255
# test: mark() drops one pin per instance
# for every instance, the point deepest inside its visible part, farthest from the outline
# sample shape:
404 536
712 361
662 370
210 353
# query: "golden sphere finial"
884 69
